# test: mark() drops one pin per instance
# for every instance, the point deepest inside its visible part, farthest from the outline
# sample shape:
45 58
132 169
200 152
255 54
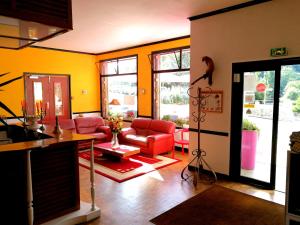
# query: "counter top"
65 136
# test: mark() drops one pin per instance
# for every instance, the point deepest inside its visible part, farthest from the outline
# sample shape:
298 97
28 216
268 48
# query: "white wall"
242 35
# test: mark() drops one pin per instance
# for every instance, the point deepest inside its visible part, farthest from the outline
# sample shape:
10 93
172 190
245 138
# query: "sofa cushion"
141 132
162 126
141 123
152 132
86 125
136 140
67 124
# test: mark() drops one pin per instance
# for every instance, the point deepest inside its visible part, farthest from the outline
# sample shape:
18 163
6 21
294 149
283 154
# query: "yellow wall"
81 67
144 69
83 71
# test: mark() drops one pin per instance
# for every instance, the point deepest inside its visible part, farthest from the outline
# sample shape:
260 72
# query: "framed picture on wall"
213 100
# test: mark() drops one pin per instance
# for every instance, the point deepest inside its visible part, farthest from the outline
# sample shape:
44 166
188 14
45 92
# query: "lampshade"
115 102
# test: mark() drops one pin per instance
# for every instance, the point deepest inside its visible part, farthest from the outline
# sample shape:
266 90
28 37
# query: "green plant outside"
179 122
296 107
248 125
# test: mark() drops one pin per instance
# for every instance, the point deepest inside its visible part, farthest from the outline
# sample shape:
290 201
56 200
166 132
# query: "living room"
233 38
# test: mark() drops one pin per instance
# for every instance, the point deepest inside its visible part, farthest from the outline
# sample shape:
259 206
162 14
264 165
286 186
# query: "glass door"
289 118
254 118
52 92
257 126
265 111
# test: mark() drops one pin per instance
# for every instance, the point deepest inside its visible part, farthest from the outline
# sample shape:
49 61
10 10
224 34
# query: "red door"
54 93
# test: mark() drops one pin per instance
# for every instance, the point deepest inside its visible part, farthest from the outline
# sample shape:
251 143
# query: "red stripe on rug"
145 159
123 166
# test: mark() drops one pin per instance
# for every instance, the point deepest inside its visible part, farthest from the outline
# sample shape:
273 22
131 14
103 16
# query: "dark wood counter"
40 178
65 136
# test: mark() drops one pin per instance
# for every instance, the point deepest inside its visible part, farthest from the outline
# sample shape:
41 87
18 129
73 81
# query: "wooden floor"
136 201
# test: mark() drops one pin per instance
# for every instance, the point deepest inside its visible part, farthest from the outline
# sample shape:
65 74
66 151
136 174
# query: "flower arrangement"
115 123
130 114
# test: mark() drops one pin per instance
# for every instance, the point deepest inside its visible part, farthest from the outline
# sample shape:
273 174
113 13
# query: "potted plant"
249 141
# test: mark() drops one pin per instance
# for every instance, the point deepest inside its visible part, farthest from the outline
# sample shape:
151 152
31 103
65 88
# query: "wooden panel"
55 181
13 195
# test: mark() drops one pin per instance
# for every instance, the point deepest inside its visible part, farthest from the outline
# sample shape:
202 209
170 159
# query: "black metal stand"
200 102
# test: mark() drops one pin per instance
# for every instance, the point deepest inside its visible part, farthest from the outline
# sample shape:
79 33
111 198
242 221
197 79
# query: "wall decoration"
214 101
209 71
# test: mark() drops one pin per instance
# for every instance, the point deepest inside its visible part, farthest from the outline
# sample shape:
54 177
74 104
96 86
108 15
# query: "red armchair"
94 126
152 136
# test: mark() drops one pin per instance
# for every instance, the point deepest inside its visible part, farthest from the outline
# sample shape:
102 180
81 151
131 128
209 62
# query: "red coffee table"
122 152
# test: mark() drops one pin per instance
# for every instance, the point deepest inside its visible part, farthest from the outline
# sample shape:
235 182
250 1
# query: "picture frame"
213 101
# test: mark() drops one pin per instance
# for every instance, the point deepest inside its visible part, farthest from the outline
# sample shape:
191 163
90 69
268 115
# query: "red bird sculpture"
209 70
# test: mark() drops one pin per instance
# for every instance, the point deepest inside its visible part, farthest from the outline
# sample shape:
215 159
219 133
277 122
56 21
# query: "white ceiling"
105 25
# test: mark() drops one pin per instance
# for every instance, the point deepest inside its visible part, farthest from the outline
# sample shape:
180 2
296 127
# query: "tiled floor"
138 200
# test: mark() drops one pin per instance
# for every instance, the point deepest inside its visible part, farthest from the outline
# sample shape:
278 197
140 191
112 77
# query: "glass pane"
173 99
122 95
38 91
167 61
127 65
186 60
289 118
109 67
256 149
58 103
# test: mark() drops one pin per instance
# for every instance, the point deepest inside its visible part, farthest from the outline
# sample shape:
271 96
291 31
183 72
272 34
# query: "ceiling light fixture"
24 22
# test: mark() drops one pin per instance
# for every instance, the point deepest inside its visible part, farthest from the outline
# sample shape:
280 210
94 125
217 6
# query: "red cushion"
141 123
151 132
67 124
141 132
86 125
162 126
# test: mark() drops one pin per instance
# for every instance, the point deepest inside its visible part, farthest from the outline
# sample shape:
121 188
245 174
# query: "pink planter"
249 141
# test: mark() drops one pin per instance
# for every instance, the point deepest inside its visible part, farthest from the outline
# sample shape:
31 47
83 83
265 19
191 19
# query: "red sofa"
65 124
152 136
94 126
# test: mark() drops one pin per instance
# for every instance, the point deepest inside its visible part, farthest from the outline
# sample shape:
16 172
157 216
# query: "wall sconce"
142 91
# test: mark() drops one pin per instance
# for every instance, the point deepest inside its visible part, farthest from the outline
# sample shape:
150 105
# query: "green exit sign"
279 51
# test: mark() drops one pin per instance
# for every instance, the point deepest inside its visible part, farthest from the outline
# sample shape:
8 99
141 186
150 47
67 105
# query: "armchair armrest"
106 130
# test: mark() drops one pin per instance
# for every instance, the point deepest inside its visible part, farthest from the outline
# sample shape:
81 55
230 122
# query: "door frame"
27 74
237 114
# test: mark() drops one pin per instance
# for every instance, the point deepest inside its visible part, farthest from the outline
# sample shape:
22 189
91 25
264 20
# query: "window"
171 79
119 87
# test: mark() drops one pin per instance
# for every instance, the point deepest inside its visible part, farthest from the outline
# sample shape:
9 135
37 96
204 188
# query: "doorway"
52 91
265 111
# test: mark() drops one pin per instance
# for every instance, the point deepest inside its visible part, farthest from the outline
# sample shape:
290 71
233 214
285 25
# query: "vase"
115 141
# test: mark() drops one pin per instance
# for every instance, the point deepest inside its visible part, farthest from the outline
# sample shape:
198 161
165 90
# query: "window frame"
167 51
155 71
103 76
117 60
